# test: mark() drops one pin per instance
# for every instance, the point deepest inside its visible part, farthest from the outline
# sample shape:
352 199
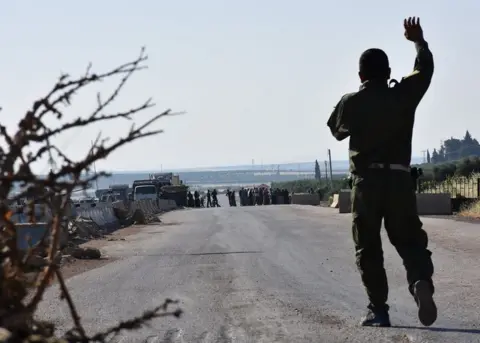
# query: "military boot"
423 295
376 316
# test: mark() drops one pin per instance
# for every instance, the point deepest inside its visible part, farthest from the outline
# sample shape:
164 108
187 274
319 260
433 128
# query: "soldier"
196 195
274 195
229 197
251 197
286 196
215 198
379 121
190 201
260 196
241 195
209 199
266 197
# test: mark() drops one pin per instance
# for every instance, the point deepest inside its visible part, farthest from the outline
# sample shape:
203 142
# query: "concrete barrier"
104 217
345 201
427 204
119 204
166 204
305 199
29 234
86 206
101 216
434 204
41 213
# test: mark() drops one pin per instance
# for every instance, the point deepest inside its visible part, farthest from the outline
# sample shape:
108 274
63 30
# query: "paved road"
271 274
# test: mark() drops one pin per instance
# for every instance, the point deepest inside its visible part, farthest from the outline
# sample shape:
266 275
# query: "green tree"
435 158
318 174
454 149
443 171
470 146
428 157
441 154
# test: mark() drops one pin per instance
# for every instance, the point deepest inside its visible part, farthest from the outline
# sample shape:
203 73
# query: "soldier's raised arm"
340 121
416 84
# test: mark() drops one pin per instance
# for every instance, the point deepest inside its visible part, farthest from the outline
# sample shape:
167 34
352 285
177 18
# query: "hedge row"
323 187
440 172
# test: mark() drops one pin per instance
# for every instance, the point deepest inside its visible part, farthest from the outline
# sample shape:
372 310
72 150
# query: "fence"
459 187
464 192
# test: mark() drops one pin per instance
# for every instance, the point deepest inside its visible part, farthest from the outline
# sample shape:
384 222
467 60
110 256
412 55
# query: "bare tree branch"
32 143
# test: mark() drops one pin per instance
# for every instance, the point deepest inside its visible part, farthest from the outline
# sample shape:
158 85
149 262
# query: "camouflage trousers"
387 195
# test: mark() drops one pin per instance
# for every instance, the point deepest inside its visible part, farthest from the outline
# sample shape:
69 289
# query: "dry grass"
472 211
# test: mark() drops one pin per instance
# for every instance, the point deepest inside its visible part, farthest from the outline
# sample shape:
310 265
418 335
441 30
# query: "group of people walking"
255 196
258 196
197 200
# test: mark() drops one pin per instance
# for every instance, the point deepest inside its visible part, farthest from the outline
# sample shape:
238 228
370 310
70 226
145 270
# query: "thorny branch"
17 155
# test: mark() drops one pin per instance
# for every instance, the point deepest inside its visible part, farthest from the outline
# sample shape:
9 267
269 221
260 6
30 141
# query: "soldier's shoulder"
408 77
347 97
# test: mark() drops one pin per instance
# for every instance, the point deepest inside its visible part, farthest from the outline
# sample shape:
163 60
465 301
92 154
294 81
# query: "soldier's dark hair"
374 65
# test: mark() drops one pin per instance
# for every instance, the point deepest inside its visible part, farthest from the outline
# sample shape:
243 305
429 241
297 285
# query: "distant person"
228 195
243 196
209 199
215 198
274 194
251 197
266 197
196 196
286 196
190 201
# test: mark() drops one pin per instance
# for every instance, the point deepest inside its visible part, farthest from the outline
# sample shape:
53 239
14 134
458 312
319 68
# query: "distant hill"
295 166
240 174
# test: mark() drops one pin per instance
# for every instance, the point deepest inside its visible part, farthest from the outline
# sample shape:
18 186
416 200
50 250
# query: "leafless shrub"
31 142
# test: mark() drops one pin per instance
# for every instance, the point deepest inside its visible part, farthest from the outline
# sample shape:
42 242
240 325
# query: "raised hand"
413 30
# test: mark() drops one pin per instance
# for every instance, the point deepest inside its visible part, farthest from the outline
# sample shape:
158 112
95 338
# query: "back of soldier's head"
374 65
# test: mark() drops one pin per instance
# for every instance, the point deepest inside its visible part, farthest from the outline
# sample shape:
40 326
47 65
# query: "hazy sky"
258 79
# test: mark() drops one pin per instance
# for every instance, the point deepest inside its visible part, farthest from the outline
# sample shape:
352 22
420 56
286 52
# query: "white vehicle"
145 192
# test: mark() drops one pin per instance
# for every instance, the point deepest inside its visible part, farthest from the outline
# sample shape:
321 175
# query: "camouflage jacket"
379 120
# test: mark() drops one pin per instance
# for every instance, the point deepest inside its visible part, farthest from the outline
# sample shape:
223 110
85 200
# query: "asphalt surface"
269 274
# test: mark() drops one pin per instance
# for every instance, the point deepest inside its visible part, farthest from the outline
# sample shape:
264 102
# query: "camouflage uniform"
379 121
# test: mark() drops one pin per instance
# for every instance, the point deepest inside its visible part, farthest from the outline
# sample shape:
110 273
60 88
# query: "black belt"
391 166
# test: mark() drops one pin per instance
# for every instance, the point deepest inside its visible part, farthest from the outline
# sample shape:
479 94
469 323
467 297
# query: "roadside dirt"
75 266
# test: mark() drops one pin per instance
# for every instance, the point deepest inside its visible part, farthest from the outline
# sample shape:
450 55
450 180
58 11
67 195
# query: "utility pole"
330 162
326 171
424 153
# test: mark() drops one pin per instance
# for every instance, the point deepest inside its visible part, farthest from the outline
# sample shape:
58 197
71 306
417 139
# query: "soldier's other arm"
415 85
340 120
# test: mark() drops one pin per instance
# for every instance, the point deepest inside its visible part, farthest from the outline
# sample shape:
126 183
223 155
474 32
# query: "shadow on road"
223 253
201 254
438 329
